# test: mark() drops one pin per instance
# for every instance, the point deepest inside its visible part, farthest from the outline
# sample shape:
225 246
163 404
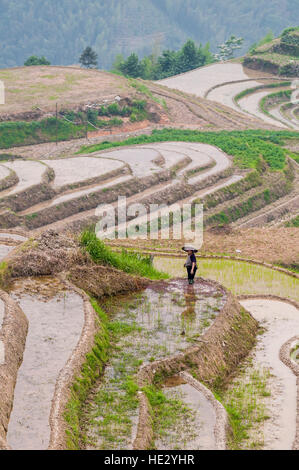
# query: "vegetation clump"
34 60
244 401
128 262
167 64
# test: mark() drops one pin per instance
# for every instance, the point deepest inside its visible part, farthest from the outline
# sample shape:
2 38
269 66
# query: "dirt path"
281 322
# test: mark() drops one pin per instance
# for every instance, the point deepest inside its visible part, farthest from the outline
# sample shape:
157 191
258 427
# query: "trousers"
191 276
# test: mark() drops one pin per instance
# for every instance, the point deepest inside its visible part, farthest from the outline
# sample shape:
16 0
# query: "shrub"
92 116
113 109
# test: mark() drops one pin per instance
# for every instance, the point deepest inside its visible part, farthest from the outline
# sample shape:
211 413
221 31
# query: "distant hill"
279 56
60 29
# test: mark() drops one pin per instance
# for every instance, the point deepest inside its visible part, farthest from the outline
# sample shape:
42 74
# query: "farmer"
191 263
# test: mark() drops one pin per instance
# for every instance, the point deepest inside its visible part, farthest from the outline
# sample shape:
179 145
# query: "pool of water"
167 318
55 325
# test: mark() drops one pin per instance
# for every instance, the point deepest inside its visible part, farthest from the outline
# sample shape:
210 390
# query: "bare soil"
29 89
52 253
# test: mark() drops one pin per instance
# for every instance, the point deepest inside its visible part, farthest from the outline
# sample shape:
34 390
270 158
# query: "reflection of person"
191 266
190 299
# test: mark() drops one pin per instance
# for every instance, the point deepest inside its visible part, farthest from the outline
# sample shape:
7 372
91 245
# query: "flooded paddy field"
275 427
77 169
194 423
56 318
240 277
165 319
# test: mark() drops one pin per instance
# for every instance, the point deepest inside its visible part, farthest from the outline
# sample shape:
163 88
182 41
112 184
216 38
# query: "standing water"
56 319
167 318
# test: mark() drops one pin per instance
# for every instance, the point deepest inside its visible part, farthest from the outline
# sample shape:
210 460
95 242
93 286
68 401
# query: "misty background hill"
61 29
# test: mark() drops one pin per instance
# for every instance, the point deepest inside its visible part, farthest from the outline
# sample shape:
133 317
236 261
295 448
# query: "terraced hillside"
269 98
280 56
31 94
211 168
105 348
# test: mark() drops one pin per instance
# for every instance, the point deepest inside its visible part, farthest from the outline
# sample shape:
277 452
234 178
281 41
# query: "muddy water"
74 170
281 322
12 236
176 315
55 324
196 428
200 81
166 319
250 103
4 250
29 173
225 94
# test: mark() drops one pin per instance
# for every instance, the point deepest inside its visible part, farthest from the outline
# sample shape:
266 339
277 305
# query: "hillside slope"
280 56
61 29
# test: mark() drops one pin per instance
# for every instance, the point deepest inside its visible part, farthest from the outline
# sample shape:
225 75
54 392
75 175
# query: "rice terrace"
104 344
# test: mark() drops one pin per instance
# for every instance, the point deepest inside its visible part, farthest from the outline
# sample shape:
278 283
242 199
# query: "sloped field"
229 84
99 349
214 169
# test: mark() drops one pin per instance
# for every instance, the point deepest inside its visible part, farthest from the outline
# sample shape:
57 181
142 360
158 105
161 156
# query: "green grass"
90 371
293 223
249 91
116 400
277 59
142 88
253 203
244 401
13 134
128 262
240 277
279 97
245 146
171 416
4 273
112 405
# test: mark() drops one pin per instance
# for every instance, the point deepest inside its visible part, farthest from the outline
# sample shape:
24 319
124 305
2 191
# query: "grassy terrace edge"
246 147
250 91
106 334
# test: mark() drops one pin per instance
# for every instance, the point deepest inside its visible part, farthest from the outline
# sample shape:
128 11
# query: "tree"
167 64
34 60
189 59
132 67
89 58
227 49
117 64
